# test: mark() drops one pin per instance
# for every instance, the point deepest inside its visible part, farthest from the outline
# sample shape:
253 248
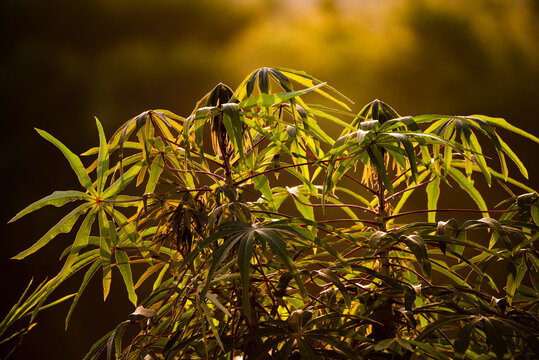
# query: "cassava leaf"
73 159
266 100
63 226
57 198
245 252
103 158
122 261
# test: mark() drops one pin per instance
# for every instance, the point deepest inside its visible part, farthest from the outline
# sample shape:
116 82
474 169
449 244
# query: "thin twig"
408 189
447 210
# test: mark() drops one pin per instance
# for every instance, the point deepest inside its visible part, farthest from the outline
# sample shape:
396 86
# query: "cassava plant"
276 241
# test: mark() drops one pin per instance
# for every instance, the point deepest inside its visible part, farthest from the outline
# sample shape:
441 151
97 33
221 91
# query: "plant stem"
447 210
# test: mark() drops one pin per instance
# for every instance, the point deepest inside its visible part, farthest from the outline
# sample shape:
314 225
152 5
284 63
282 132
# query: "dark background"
64 62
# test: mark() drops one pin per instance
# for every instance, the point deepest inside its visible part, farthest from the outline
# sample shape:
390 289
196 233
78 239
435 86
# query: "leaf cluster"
274 240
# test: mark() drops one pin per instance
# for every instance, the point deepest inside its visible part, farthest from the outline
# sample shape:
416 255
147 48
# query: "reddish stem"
408 189
196 171
447 210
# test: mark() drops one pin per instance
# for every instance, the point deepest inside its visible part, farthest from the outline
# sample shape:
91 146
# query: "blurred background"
64 62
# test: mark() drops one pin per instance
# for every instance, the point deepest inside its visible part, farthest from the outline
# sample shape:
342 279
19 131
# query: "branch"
448 210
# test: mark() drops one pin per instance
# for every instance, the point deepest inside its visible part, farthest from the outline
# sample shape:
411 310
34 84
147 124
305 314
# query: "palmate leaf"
237 289
278 247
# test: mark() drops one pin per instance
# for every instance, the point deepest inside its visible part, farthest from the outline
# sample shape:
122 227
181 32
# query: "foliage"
273 240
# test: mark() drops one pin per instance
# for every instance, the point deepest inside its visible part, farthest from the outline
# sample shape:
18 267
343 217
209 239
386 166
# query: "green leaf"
267 100
506 149
81 240
479 157
106 233
500 122
377 159
261 184
494 331
87 277
115 340
429 349
263 81
213 298
302 203
73 159
63 226
217 258
412 160
329 275
156 169
210 318
535 212
233 126
102 159
245 252
515 273
122 181
122 261
57 198
307 80
98 347
278 247
467 186
417 245
433 193
462 340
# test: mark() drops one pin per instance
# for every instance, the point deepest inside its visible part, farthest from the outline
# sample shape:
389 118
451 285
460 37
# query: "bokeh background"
64 62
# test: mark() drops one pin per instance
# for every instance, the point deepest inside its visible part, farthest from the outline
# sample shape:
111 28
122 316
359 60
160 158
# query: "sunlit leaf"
63 226
57 198
73 159
122 261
